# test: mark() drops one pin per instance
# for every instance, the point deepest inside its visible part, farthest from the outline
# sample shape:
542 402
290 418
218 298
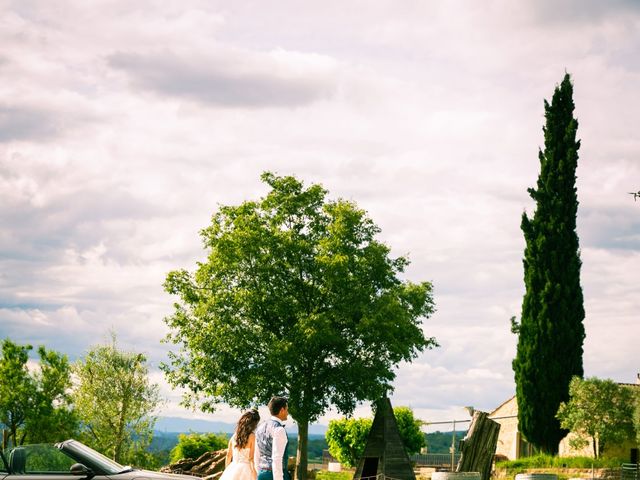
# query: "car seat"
18 461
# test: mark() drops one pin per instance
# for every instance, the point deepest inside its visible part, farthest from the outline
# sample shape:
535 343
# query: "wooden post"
453 447
479 446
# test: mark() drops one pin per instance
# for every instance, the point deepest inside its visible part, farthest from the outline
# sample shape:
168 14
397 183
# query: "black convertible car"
69 460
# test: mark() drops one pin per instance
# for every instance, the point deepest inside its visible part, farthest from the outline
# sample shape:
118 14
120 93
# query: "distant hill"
185 425
440 442
163 442
168 428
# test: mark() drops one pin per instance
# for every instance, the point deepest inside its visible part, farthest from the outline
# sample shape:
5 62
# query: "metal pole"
453 445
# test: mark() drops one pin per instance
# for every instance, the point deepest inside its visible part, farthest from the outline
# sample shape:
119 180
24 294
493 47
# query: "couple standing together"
259 450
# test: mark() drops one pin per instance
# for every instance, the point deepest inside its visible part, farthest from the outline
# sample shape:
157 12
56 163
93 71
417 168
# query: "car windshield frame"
92 459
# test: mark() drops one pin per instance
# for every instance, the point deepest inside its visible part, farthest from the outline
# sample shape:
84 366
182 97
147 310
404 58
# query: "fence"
436 460
630 471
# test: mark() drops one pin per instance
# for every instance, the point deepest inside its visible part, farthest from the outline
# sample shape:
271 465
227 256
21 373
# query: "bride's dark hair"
246 425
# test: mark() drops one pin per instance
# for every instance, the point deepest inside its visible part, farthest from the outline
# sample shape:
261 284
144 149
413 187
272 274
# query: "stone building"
512 445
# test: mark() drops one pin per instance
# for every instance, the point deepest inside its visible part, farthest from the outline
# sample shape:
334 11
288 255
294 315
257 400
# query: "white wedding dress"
240 466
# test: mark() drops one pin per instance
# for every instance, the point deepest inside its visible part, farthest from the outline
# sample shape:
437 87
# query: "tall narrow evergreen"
551 330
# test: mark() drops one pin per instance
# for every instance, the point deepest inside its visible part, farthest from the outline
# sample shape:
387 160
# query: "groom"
270 456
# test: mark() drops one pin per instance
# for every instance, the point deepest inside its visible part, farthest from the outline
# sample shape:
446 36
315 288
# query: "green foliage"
550 461
47 458
326 475
347 437
636 415
315 446
297 296
53 418
551 330
16 389
409 426
440 442
600 410
35 406
193 445
115 402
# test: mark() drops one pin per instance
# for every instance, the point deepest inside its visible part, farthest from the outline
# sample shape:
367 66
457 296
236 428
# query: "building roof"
502 405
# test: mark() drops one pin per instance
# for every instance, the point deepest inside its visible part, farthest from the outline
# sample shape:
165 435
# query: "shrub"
193 445
549 461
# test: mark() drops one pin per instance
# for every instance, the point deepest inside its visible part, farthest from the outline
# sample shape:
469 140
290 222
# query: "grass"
325 475
550 461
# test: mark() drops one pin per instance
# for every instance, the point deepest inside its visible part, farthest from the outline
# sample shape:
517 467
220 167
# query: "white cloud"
122 128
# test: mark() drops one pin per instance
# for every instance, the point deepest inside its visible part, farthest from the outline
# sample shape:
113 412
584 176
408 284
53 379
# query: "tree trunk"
301 456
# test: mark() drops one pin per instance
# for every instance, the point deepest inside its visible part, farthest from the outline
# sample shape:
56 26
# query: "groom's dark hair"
276 404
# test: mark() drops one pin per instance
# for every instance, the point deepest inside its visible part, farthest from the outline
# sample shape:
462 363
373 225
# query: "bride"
239 462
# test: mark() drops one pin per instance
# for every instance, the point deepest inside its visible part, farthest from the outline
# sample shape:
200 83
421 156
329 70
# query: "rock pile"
209 465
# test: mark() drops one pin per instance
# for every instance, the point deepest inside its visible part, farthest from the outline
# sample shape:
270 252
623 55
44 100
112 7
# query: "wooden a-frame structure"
384 454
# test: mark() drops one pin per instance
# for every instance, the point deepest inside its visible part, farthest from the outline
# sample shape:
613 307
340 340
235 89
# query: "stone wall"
509 442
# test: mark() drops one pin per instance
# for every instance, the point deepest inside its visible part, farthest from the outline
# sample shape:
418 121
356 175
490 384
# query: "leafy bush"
193 445
347 437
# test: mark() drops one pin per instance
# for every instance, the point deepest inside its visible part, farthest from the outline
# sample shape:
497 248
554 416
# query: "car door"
40 462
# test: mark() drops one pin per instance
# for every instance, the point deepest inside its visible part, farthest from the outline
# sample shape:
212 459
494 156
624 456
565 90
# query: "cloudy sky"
124 125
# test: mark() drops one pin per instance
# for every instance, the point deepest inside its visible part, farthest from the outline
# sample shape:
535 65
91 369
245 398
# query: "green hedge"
550 461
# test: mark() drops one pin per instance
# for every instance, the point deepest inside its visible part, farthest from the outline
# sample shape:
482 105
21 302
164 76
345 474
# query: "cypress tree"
551 330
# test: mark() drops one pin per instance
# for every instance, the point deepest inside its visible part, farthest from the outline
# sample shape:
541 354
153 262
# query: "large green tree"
53 417
347 437
551 330
297 297
115 402
35 403
600 411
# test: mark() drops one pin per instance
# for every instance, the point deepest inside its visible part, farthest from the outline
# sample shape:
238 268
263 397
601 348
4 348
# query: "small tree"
600 410
297 296
410 429
347 437
115 401
193 445
35 405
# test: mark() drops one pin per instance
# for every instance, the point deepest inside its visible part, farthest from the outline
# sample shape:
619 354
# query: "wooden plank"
479 446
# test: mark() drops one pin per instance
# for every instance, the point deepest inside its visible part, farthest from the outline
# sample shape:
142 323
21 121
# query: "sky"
125 125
